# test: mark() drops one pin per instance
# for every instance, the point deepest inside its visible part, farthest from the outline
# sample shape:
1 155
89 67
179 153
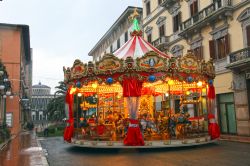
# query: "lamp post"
5 90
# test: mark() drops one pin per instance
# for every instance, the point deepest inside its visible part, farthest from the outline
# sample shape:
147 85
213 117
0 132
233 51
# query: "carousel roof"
137 47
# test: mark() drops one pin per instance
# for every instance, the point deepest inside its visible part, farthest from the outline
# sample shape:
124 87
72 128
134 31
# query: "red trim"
122 48
143 47
155 49
131 50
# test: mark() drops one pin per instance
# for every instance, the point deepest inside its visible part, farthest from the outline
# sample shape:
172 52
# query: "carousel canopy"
137 47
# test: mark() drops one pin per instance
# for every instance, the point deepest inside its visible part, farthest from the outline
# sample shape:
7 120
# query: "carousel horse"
148 127
122 127
172 125
181 123
163 128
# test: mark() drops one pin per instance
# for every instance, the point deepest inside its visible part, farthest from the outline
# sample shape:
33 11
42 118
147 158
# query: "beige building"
116 36
218 29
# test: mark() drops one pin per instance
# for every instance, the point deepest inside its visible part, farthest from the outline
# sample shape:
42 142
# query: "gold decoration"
133 15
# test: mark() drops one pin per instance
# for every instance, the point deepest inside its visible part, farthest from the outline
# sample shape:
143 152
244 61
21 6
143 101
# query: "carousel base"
148 144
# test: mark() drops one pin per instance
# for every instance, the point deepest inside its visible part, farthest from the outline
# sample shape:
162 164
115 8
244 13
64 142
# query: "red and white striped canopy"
137 47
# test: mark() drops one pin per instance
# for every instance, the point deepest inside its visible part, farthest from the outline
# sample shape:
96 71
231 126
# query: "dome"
39 85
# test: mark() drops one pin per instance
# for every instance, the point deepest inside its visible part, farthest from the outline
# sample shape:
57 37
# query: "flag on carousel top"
136 46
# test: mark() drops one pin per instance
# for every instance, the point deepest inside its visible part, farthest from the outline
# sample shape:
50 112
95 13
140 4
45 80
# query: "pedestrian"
46 132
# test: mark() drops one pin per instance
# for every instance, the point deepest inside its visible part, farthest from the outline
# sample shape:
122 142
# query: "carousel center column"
132 92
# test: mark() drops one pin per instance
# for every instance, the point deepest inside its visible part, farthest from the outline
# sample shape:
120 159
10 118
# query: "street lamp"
5 90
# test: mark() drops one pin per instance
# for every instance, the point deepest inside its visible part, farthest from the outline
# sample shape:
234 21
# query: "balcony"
168 3
218 9
239 60
161 42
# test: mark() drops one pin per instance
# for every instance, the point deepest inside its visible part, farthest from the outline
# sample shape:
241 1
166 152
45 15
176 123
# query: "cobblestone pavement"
23 150
217 154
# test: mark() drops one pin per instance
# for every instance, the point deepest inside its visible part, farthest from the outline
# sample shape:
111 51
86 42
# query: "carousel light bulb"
204 90
188 93
166 94
170 82
79 94
94 85
199 83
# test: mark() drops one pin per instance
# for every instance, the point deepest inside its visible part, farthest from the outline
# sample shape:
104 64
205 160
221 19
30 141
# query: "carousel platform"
148 144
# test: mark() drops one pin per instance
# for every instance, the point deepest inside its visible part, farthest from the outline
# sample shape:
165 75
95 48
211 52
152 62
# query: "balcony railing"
168 3
160 40
206 12
239 55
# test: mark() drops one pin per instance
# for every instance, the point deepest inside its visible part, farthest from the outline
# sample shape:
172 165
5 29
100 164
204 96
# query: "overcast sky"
62 30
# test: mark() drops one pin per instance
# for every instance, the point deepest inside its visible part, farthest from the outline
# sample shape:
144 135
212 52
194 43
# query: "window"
148 8
193 8
126 36
218 3
248 35
149 38
177 22
177 50
111 49
219 48
41 117
198 52
162 30
159 2
118 43
37 115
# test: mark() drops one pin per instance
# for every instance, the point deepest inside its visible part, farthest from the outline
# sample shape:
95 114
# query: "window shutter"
248 35
179 24
201 53
227 44
212 49
195 7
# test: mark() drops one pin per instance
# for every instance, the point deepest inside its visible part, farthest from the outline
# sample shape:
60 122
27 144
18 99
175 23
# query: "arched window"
244 18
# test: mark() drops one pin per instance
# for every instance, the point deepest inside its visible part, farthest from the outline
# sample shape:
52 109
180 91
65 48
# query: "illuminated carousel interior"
140 97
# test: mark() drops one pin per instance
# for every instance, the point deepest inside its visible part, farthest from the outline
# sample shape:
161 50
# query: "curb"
242 139
234 140
43 157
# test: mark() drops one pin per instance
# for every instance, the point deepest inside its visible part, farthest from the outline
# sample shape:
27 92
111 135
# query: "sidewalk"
40 158
236 138
23 150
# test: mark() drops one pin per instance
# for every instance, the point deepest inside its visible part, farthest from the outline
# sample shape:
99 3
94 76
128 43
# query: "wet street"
23 150
221 153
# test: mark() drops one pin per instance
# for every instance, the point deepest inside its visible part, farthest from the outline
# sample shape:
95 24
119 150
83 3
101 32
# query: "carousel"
140 97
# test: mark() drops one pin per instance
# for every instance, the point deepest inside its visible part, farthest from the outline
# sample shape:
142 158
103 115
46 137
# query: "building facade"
116 36
41 96
15 54
217 29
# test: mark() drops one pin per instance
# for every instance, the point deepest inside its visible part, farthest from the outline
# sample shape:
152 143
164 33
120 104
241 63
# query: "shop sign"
9 119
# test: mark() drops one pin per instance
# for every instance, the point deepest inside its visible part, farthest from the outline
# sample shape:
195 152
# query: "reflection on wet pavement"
23 150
